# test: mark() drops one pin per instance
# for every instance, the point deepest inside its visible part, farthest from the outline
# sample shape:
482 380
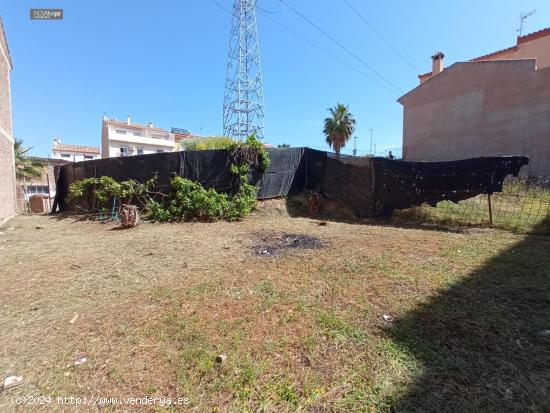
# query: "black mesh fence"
368 186
523 205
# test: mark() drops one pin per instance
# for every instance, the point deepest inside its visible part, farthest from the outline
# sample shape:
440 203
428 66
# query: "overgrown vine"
186 200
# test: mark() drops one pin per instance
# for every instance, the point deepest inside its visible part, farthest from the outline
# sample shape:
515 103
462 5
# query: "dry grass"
520 207
302 330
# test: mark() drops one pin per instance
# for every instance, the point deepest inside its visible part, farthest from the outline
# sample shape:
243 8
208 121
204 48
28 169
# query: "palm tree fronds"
338 127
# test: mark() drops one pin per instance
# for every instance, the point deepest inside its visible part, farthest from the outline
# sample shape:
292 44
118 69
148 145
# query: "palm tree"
26 167
339 127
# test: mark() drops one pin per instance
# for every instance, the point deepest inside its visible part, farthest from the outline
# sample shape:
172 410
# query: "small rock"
387 317
221 358
12 381
80 358
39 227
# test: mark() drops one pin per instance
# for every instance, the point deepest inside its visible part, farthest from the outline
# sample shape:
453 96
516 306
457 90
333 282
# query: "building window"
65 155
121 132
140 151
123 151
37 189
138 134
160 150
88 157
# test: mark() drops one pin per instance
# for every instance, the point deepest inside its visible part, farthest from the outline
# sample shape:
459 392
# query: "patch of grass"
386 265
200 290
338 329
353 268
285 391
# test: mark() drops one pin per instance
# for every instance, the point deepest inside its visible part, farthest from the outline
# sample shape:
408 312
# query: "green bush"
251 152
216 142
189 200
104 189
186 200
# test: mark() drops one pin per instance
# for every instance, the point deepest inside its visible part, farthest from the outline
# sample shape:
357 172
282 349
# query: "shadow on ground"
484 342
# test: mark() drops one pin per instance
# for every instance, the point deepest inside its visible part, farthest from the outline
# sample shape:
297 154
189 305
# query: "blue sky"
165 61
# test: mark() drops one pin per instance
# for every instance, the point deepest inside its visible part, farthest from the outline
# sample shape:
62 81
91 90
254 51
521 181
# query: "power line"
221 7
381 36
359 59
305 39
266 11
316 46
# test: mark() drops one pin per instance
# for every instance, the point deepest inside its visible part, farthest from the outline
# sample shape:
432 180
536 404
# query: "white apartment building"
74 153
127 139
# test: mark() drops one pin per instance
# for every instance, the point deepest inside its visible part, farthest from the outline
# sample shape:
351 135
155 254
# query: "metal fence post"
490 209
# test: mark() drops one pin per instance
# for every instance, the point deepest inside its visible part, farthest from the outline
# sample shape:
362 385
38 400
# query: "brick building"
7 168
497 104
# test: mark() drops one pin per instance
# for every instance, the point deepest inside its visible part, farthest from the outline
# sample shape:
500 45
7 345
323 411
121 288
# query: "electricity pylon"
243 103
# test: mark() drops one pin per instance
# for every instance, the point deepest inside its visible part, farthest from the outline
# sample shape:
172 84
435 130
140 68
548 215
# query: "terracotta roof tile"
534 35
521 39
76 148
485 56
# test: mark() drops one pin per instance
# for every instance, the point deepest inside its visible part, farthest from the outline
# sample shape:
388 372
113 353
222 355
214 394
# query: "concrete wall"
481 109
74 156
7 169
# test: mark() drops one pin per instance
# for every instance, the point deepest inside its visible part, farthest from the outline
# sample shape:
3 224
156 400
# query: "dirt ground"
358 318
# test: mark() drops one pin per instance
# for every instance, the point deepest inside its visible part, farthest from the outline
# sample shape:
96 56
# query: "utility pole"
370 151
374 150
243 103
522 17
354 145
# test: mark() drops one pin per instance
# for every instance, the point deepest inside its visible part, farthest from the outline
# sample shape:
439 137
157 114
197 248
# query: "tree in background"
283 145
213 142
339 127
26 167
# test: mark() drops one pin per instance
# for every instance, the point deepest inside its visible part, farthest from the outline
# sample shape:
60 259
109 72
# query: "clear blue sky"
164 62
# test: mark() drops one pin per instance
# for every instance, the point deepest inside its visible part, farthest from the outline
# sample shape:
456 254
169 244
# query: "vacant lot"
337 317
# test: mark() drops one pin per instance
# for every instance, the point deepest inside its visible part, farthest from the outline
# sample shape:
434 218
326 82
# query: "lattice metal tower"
243 104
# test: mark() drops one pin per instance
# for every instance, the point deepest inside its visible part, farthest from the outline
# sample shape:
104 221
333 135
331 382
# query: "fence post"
490 209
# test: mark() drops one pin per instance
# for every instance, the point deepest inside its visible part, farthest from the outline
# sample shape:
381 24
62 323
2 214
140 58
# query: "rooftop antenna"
522 17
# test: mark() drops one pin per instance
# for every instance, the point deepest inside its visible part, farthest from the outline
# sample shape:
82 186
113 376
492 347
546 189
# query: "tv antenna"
522 17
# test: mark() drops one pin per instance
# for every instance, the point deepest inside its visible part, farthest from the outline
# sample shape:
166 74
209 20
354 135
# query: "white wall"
73 156
135 140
